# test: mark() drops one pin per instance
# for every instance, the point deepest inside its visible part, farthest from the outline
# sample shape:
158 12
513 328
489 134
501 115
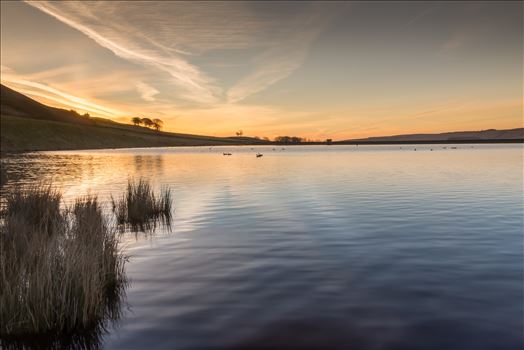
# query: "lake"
368 247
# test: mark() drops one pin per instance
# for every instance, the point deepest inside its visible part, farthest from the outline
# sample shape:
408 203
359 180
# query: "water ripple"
317 247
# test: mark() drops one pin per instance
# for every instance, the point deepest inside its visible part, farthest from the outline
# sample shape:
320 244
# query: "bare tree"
239 133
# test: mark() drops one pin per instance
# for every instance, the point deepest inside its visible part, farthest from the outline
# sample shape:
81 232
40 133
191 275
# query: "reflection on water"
149 162
88 339
369 247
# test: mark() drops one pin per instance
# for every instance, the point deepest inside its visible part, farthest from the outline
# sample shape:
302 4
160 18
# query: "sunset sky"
312 69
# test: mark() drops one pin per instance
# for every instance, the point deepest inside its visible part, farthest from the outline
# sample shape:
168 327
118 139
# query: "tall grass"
140 209
3 175
61 271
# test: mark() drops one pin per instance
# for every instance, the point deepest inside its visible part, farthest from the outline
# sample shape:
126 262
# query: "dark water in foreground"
376 247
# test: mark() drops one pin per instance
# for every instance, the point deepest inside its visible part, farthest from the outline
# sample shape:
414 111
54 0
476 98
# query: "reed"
139 207
61 271
3 175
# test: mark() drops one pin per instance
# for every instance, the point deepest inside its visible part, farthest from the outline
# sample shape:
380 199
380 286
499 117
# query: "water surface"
369 247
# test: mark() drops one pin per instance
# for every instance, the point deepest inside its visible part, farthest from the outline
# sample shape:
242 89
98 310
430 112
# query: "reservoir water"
328 247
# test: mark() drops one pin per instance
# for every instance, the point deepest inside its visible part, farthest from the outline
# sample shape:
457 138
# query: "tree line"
292 139
148 123
289 139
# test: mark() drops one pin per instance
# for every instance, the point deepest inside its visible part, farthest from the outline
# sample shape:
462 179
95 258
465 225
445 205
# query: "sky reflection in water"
326 246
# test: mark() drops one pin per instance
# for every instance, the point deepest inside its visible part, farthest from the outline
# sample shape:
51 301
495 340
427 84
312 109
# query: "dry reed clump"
140 209
61 271
3 175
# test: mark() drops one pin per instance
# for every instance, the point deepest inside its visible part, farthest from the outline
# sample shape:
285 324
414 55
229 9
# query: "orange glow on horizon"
475 117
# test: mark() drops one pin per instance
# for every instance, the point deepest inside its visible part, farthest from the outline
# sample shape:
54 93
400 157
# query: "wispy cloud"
101 23
422 14
170 35
455 42
146 91
284 55
32 88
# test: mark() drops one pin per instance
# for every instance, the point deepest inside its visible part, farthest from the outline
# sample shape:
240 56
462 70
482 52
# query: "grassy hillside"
15 104
25 134
27 125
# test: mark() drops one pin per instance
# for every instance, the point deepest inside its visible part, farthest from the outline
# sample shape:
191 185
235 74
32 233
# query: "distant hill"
483 135
27 125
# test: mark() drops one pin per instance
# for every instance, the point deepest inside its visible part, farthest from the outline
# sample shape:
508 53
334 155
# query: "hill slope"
484 135
15 104
27 125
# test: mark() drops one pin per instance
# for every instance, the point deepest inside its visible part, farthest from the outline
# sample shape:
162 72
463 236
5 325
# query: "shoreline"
335 143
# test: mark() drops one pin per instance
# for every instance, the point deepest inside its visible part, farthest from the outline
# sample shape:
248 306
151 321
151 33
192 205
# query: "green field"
20 134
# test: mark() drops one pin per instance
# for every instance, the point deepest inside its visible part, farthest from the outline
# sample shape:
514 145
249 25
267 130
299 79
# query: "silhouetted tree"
147 122
136 121
157 124
239 133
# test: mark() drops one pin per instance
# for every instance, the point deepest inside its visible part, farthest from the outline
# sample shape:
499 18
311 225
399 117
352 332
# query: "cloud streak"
33 88
147 92
91 19
285 54
170 36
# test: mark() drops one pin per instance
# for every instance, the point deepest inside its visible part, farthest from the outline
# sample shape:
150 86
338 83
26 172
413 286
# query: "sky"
312 69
